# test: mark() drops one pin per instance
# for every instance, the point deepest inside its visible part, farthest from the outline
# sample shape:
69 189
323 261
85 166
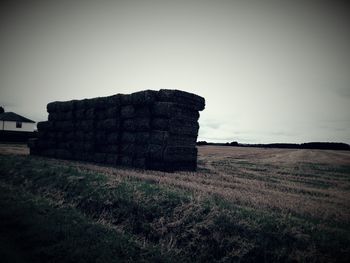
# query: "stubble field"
243 204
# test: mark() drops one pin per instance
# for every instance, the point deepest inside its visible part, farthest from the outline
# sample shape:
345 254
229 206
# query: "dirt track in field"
312 183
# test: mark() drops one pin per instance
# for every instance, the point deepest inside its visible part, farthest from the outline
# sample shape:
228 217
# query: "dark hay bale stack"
70 136
89 146
90 114
42 135
79 135
141 151
146 97
112 138
125 99
128 149
99 157
127 112
49 153
113 112
64 126
155 151
186 99
176 154
100 137
140 163
101 114
91 103
165 137
173 110
126 160
108 125
54 116
63 154
89 136
136 124
45 126
147 129
80 114
114 100
69 115
128 137
112 159
51 107
80 104
176 126
85 125
111 148
60 136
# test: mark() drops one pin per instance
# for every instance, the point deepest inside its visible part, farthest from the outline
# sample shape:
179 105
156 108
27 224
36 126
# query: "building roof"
11 116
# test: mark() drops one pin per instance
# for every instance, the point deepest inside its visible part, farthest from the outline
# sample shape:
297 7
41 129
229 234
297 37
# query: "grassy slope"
53 211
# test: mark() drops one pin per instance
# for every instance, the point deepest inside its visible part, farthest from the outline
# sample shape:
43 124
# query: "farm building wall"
12 126
148 129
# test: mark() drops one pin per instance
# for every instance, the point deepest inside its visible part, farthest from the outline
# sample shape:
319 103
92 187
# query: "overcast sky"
270 71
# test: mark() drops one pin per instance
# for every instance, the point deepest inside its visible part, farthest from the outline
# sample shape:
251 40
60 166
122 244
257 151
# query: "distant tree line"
309 145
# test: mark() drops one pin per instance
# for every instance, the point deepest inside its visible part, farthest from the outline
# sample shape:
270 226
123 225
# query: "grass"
65 211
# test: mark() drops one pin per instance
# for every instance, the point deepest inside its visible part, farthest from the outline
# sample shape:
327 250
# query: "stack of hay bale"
148 129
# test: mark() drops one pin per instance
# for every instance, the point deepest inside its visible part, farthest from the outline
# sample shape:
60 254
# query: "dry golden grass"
313 183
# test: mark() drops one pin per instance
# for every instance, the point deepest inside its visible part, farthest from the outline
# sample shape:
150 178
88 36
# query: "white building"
10 121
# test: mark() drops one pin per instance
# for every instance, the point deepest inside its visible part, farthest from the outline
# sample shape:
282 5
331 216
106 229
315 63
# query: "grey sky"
270 71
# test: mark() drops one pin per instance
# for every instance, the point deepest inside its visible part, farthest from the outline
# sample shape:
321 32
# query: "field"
243 204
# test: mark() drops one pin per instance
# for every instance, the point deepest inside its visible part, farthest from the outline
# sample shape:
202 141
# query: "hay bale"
112 112
165 137
155 151
91 103
114 100
145 97
99 157
63 154
89 146
111 148
125 99
128 137
101 137
59 136
127 112
80 114
175 154
70 136
136 124
186 99
33 143
140 163
79 135
43 134
112 138
64 126
51 107
108 125
89 136
176 126
173 110
112 159
127 149
54 116
69 115
141 151
80 105
90 114
49 153
126 160
85 125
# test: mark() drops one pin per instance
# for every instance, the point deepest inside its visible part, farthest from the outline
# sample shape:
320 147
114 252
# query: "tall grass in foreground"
82 212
